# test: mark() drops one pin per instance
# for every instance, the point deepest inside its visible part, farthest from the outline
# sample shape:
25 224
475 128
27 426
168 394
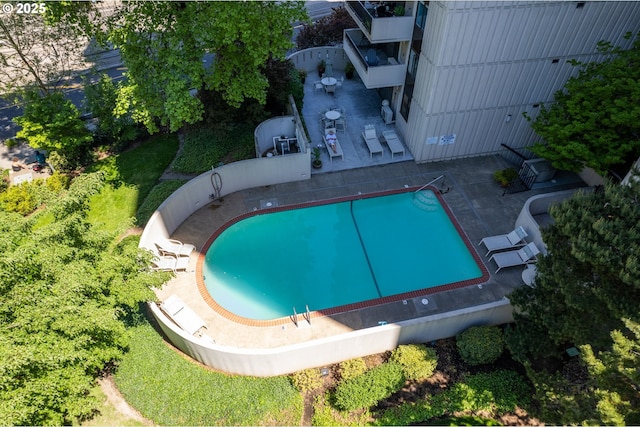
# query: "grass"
172 390
108 415
130 175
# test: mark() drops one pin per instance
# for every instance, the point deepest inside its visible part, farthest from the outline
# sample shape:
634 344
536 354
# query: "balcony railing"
387 71
381 29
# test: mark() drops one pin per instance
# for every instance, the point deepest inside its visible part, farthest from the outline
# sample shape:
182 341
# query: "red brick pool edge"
348 307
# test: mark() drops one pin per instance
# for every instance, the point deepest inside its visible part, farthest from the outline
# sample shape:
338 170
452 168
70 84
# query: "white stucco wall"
263 362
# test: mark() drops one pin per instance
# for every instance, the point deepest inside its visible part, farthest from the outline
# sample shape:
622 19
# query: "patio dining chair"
317 85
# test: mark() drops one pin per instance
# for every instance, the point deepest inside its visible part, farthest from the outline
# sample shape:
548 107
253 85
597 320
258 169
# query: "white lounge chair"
392 140
169 263
515 239
372 141
522 256
174 247
182 315
334 150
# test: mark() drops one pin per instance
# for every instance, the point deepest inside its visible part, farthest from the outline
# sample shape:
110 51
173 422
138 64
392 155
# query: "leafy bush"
326 415
205 148
19 198
352 368
480 344
326 31
418 361
495 393
28 196
499 392
369 388
307 380
157 195
505 176
4 179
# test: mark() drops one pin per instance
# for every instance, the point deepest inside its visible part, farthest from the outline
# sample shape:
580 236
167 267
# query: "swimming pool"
335 256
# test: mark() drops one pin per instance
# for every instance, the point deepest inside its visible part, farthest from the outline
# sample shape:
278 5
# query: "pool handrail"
429 183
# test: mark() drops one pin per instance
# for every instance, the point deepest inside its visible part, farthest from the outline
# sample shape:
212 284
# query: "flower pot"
316 164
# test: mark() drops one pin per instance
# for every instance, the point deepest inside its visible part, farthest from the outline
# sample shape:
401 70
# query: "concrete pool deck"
474 198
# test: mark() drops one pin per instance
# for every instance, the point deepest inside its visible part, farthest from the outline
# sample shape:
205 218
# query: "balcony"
381 24
376 64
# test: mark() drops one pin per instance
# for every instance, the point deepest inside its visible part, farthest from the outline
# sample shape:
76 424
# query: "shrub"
480 344
326 415
57 182
369 388
494 393
307 380
352 368
418 361
326 31
28 196
505 176
157 195
19 198
4 179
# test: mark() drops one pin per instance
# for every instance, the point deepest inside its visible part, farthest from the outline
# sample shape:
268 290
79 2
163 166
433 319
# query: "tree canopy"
587 287
163 45
594 120
35 53
66 292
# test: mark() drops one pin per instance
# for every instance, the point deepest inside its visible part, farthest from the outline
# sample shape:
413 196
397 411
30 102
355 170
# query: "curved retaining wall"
235 176
537 205
325 351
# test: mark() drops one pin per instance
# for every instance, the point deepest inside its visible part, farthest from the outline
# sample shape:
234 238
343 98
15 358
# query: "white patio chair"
522 256
514 239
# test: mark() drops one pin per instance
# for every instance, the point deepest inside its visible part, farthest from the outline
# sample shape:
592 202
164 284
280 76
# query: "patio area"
362 107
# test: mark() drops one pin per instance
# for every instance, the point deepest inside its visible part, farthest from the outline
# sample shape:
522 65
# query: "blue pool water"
335 254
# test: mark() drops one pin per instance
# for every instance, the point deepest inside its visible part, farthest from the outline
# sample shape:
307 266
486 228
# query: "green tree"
65 293
102 99
163 45
585 288
595 120
53 123
616 374
35 53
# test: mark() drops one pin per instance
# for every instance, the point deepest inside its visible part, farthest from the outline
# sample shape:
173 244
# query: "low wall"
285 125
236 176
538 205
325 351
308 59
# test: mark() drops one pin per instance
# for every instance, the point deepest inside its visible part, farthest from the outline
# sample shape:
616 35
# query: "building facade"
460 74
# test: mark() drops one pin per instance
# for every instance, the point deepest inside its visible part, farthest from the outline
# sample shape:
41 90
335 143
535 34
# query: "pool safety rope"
364 249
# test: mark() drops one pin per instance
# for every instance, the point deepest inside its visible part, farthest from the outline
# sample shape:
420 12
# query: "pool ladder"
306 315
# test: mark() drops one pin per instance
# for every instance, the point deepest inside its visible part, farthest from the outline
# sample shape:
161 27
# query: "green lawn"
171 390
131 175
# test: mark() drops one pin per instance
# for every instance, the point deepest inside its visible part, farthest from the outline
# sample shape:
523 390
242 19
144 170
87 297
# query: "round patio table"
332 115
329 81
